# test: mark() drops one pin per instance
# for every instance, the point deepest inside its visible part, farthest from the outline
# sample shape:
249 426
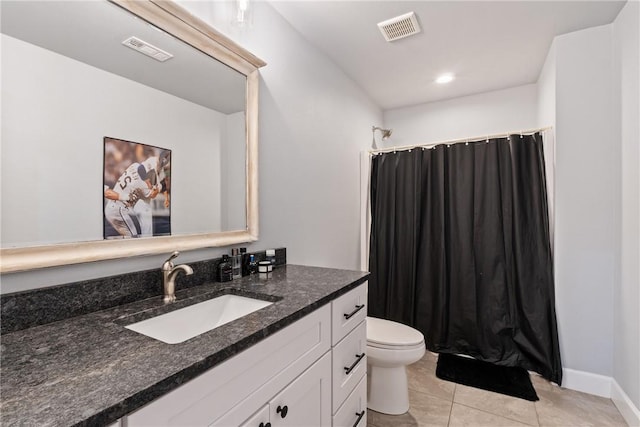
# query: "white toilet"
391 346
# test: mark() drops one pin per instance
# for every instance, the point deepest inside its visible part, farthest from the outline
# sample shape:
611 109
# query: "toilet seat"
395 347
391 335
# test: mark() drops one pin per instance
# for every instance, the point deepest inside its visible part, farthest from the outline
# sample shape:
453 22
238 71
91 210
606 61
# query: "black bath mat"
512 381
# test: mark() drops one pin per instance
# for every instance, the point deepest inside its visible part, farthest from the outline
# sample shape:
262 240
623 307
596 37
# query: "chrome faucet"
169 273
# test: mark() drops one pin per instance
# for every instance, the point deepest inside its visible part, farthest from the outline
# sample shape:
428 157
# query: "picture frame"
136 190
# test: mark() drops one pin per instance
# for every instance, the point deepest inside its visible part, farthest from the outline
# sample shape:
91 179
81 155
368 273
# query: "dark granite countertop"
91 370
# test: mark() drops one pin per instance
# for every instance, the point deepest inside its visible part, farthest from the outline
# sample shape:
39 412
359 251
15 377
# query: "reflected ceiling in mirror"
69 82
92 32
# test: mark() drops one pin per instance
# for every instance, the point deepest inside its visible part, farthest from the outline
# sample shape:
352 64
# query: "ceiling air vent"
399 27
147 48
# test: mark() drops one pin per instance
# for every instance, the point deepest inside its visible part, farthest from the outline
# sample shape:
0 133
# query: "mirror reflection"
69 82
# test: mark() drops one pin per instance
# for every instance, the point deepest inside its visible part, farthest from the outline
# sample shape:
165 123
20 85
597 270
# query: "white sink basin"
185 323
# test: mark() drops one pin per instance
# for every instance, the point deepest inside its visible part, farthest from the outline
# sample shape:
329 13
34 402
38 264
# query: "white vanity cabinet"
289 379
229 393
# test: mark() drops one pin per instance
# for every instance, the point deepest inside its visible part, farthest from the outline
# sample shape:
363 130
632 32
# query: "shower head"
386 133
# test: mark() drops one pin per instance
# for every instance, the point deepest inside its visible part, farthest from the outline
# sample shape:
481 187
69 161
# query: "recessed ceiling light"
445 78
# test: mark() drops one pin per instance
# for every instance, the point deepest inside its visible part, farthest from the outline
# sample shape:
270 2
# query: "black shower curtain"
460 250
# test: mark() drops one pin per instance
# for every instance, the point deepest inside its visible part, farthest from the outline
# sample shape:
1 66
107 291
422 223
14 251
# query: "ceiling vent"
399 27
147 48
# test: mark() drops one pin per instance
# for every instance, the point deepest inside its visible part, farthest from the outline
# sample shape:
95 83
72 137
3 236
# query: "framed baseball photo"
137 190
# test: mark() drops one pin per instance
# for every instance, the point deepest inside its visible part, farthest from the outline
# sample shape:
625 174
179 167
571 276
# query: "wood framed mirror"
51 213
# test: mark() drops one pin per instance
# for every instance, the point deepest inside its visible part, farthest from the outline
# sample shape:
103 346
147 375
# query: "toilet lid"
388 333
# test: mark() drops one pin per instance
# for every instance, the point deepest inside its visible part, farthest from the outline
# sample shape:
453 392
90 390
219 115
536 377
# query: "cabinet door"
306 402
259 419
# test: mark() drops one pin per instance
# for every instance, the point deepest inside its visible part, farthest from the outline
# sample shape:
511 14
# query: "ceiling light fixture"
445 78
243 14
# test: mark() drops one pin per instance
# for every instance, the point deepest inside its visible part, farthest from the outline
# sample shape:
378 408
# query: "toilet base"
388 389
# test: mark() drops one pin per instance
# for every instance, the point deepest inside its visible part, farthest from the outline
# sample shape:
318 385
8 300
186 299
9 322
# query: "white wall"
546 86
597 279
546 102
587 206
470 116
314 121
626 321
52 151
234 177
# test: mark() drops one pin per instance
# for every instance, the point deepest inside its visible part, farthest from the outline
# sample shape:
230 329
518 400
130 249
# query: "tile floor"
435 402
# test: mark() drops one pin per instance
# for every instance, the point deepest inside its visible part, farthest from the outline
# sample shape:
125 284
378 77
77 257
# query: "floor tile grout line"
535 406
433 396
493 413
498 415
453 396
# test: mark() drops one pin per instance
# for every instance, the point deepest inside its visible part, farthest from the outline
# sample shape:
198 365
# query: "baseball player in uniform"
134 187
142 207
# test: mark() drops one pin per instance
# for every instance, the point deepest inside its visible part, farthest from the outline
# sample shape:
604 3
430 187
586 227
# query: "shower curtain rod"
457 141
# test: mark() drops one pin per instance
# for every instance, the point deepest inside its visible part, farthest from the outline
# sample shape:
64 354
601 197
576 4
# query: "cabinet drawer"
349 364
353 412
347 312
279 358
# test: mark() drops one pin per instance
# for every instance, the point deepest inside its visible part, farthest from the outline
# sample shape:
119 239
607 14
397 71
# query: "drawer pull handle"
352 367
265 425
360 415
282 410
350 315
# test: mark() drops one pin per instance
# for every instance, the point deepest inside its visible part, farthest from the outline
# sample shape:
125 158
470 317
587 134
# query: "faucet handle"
173 255
168 264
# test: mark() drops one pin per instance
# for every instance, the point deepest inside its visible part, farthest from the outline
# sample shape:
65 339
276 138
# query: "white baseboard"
586 382
603 386
626 407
